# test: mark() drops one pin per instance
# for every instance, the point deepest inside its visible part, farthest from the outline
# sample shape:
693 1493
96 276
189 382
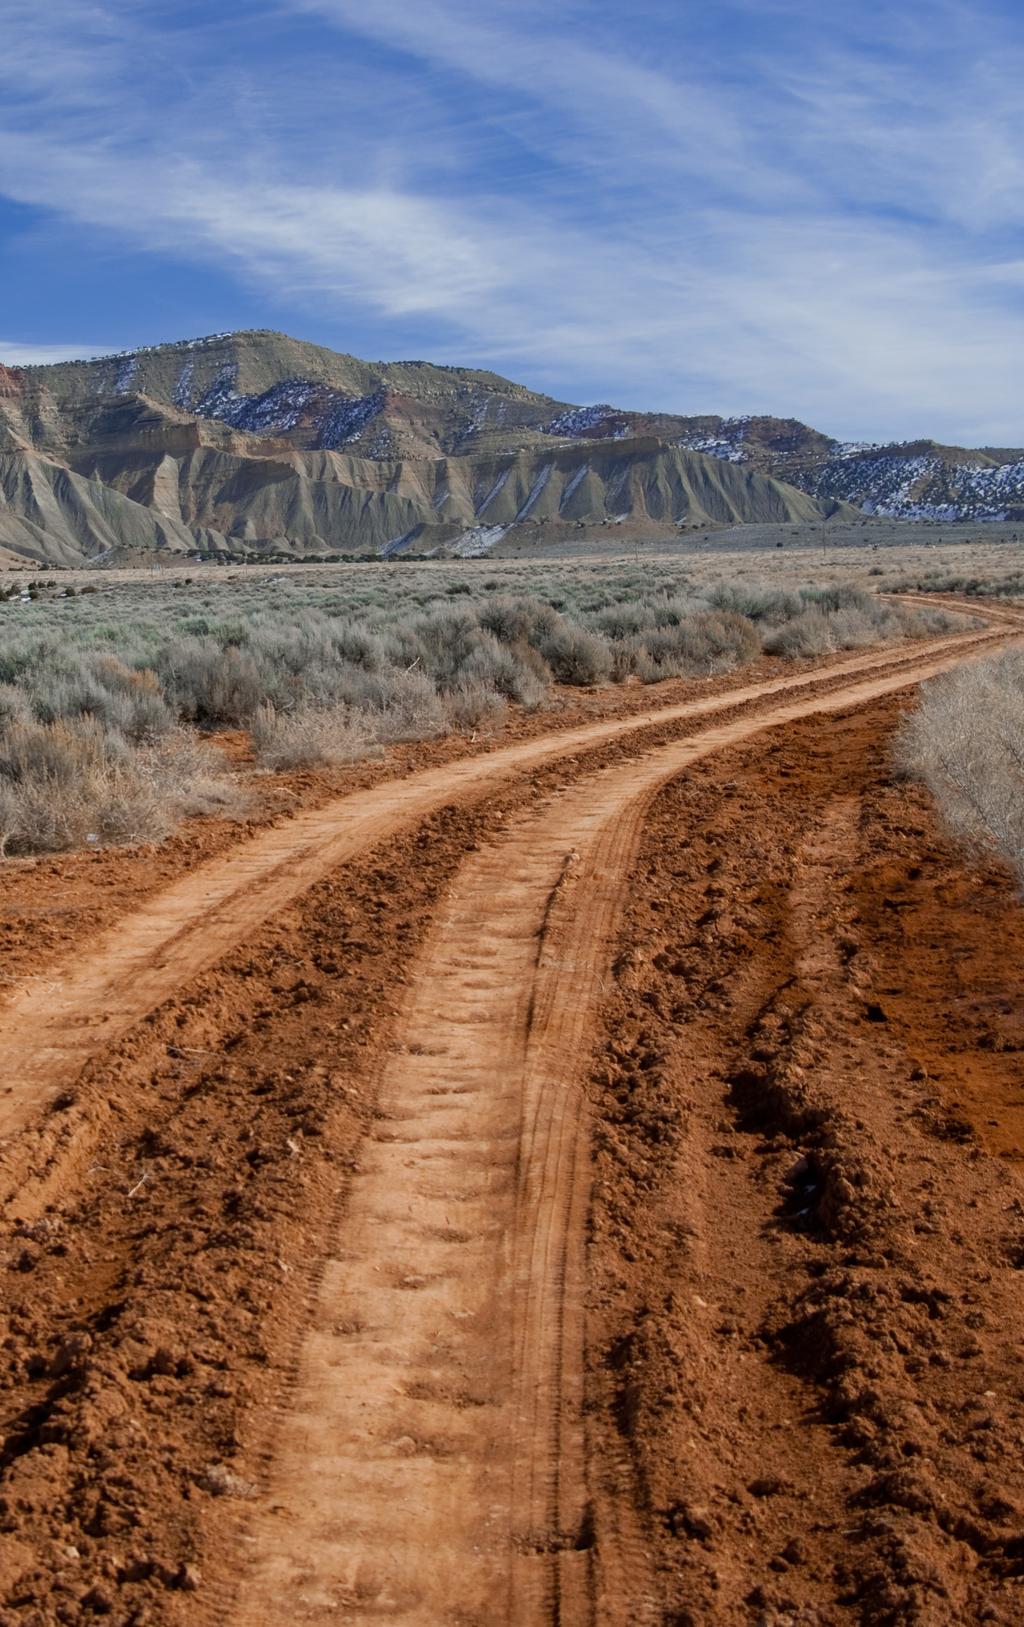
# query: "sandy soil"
312 1311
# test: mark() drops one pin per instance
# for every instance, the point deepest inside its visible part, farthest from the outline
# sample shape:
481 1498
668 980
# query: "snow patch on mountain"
728 445
222 400
486 413
125 375
340 418
482 508
922 486
574 484
183 388
884 481
477 540
713 447
347 418
398 545
535 491
853 449
580 420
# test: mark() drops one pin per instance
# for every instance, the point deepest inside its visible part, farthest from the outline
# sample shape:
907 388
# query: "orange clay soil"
59 1016
804 1307
301 1318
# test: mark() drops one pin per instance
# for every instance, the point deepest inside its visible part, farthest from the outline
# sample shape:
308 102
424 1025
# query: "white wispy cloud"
15 354
612 208
611 110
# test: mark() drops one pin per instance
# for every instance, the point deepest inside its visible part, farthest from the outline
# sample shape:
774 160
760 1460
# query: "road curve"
430 1466
48 1031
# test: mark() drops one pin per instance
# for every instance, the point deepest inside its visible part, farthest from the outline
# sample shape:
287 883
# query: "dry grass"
73 783
966 742
309 735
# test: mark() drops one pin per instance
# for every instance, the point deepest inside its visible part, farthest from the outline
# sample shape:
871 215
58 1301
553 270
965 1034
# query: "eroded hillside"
255 444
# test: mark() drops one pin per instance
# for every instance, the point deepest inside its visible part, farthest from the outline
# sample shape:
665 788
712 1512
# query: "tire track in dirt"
49 1030
805 1314
431 1466
195 1264
721 1223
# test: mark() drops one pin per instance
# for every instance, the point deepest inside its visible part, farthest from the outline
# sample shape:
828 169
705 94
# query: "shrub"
710 641
576 656
853 630
810 633
965 741
103 687
840 596
621 621
632 658
669 612
473 701
358 646
760 604
15 706
729 637
396 705
209 685
516 673
446 639
309 735
72 782
519 620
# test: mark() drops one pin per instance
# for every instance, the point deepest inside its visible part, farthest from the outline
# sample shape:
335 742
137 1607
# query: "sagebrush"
322 672
965 741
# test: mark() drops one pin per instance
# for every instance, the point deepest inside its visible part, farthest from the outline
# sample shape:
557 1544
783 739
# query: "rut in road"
48 1031
430 1466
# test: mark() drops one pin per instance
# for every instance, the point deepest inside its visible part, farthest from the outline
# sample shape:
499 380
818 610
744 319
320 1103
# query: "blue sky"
759 205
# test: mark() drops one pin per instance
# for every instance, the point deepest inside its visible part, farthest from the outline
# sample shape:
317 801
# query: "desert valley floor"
567 1172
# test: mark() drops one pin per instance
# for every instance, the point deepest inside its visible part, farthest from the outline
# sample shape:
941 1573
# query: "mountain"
49 513
908 480
254 444
315 399
267 384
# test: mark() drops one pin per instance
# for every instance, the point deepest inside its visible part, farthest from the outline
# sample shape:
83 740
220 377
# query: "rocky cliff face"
265 384
256 444
914 480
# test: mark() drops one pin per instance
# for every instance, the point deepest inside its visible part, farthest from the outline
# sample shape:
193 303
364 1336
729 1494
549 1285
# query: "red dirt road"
304 1319
805 1321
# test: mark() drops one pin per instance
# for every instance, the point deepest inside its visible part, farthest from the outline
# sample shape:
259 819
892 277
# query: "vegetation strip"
108 728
